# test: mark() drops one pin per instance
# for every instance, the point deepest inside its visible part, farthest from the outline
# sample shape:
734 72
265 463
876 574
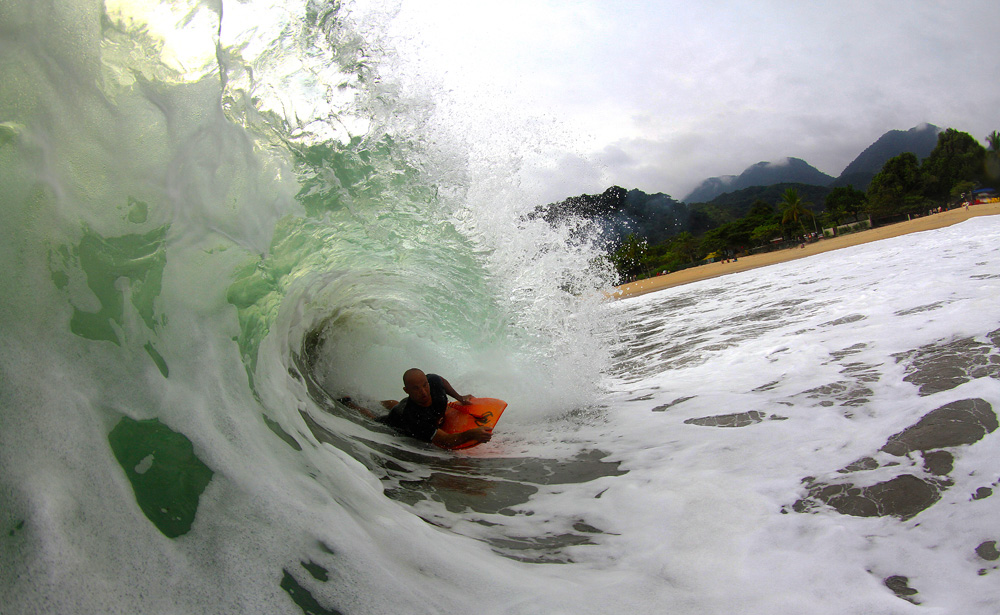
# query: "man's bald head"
412 376
415 385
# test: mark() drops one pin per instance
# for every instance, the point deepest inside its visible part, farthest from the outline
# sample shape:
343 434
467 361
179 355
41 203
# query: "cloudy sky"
660 94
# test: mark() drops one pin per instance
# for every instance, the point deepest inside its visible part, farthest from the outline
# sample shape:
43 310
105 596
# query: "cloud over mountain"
785 171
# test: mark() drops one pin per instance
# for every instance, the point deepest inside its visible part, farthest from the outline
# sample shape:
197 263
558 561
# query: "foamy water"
829 357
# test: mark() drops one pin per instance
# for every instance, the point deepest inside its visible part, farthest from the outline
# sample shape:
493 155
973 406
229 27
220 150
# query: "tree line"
905 186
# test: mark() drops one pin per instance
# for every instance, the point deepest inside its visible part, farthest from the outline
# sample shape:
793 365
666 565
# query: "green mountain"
617 212
787 171
919 141
737 204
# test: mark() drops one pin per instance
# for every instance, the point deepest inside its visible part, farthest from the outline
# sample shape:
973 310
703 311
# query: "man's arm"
347 401
451 440
465 400
388 404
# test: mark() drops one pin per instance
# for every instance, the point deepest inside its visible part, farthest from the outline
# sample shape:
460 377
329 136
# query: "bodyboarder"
419 415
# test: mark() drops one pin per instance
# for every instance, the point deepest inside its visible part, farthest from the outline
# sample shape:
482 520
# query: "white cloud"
662 94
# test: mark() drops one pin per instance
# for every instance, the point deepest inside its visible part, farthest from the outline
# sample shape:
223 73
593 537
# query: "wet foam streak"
818 431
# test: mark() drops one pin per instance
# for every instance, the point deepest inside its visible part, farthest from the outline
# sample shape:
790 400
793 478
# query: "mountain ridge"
785 171
618 212
919 140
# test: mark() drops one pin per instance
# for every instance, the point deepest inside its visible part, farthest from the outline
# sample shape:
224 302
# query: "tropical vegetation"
904 187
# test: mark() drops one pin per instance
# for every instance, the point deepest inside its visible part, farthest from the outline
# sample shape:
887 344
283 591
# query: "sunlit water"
213 227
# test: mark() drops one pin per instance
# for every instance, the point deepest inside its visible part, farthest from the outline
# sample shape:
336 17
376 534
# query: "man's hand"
480 434
465 400
451 440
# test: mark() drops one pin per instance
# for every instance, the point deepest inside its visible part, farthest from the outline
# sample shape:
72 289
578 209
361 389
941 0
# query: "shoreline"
753 261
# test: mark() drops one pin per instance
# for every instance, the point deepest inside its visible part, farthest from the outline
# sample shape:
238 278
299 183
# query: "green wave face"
216 218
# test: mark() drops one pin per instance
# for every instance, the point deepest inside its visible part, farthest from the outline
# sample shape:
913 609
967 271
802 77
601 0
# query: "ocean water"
220 217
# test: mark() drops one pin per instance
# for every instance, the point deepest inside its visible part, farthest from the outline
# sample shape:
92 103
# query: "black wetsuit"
417 421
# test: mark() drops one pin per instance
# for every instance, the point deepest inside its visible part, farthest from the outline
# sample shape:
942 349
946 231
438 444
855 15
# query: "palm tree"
993 158
993 141
793 209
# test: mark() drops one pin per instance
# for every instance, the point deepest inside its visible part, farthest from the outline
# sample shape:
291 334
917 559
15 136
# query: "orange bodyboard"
483 412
